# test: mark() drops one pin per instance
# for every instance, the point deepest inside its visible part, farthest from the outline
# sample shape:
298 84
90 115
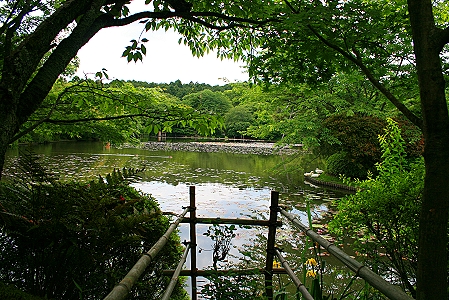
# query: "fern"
55 234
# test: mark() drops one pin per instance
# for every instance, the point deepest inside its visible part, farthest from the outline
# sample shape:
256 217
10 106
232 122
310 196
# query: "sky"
165 61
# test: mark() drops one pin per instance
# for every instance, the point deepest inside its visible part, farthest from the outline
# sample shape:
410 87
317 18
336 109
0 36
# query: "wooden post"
270 244
193 267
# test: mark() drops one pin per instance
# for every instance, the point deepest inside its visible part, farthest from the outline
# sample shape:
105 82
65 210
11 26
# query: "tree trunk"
432 253
8 127
20 96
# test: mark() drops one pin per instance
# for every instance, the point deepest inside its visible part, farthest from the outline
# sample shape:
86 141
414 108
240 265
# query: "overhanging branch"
111 118
377 84
193 16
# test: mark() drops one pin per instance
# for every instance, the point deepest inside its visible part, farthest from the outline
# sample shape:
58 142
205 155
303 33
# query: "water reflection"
227 185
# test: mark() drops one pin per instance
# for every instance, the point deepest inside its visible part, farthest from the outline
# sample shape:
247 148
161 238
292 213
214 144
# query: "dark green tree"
237 121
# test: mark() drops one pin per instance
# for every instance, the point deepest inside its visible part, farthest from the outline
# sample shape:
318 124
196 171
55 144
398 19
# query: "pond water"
227 185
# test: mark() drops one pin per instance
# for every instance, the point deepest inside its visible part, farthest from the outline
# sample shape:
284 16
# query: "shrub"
237 121
78 240
341 163
11 293
357 137
383 218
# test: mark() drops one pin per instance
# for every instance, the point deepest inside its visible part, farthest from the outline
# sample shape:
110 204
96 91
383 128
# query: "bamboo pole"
236 272
193 242
175 276
122 290
270 244
386 288
299 285
231 221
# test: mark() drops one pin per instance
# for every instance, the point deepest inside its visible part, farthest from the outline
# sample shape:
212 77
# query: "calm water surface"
227 185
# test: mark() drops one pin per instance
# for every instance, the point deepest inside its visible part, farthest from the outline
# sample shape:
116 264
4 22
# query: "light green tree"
208 102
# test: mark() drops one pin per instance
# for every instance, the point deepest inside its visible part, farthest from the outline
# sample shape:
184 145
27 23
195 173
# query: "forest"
359 82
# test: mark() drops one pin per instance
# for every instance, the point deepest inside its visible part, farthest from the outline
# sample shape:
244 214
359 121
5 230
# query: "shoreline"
228 147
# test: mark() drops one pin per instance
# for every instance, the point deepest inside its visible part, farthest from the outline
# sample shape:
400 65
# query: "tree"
394 45
84 108
237 120
208 102
383 217
40 38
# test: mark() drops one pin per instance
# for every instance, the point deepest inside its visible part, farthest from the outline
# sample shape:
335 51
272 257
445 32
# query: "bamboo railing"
175 276
122 290
298 284
360 270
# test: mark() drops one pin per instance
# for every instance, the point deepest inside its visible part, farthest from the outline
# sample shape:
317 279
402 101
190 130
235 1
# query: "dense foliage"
356 148
237 120
382 219
352 146
179 89
121 112
399 47
78 240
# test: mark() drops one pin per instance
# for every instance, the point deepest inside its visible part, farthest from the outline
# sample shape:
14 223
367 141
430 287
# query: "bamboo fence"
385 287
122 290
298 284
175 276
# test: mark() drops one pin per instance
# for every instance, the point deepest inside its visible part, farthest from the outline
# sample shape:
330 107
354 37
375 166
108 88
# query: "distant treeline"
177 88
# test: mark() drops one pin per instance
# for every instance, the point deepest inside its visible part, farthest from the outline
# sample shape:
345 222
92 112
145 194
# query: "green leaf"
127 51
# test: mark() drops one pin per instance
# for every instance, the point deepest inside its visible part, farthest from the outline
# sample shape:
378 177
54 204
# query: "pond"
231 185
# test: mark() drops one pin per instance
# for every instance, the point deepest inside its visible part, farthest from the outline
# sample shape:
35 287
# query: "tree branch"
43 120
294 10
442 38
187 15
377 84
92 119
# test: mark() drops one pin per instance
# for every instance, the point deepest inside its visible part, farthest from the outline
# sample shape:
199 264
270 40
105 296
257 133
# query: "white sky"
165 61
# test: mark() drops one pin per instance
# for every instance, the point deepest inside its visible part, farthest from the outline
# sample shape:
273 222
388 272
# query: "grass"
330 178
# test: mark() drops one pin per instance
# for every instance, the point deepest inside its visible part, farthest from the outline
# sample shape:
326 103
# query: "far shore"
260 148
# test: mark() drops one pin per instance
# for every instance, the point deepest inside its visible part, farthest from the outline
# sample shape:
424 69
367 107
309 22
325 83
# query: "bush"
383 218
11 293
78 240
341 163
237 121
357 137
